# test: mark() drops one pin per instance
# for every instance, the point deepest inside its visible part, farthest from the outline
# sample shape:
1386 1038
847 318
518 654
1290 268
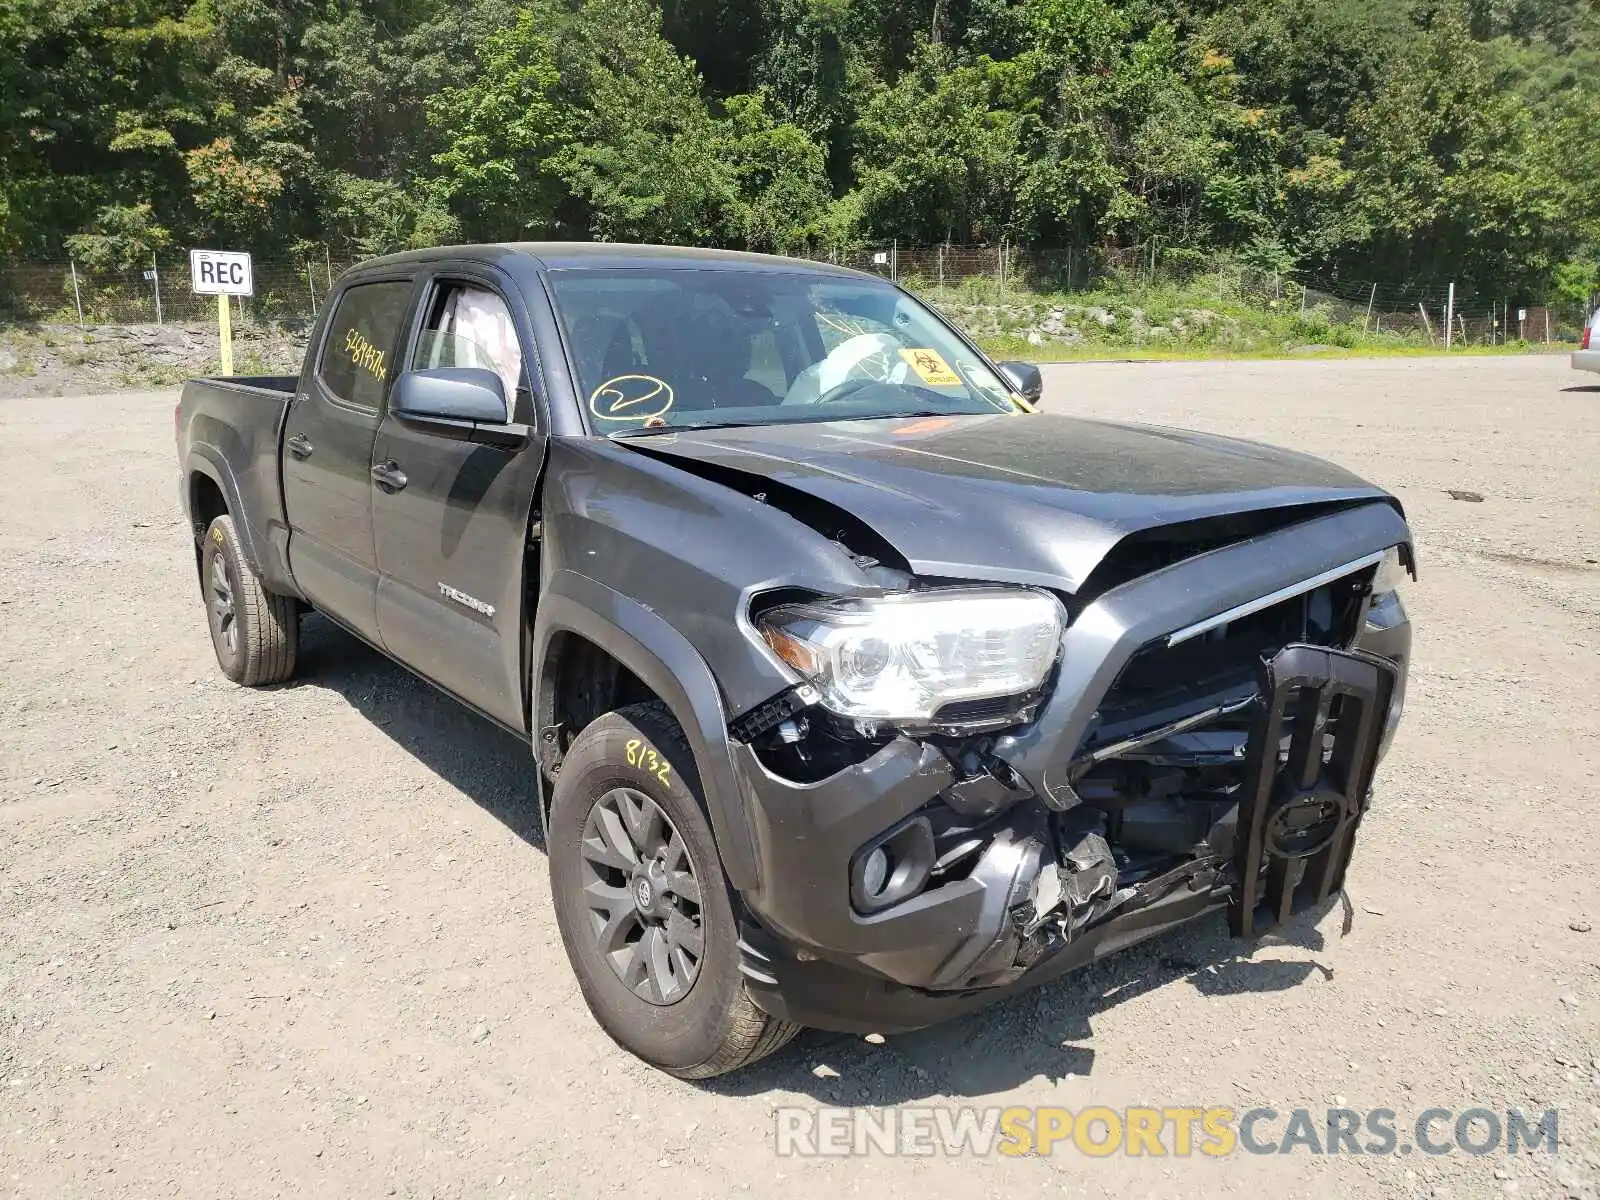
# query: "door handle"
389 476
300 446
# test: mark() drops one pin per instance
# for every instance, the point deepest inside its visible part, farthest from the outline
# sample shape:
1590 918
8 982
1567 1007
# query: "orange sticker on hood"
924 425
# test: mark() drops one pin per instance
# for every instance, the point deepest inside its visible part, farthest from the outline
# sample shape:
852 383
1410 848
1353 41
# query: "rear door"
327 450
453 540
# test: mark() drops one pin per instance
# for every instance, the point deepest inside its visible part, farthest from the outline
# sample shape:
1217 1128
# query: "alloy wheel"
223 612
642 896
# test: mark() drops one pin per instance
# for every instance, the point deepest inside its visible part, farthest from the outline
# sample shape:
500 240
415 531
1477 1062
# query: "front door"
453 538
327 453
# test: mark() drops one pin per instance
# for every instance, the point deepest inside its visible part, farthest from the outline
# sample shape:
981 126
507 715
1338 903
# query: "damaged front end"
1214 757
1270 828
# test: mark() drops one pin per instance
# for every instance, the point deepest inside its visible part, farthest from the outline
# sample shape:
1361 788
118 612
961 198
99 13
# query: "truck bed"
234 426
274 385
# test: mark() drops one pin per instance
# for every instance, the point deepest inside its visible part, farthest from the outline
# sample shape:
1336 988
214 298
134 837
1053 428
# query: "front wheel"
642 903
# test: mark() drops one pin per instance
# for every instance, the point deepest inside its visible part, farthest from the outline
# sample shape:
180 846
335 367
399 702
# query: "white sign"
880 257
221 273
1522 314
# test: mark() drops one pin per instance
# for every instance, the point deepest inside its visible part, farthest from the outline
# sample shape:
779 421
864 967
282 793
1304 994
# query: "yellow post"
225 333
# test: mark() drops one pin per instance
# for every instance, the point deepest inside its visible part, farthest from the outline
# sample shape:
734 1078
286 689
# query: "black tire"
714 1027
255 633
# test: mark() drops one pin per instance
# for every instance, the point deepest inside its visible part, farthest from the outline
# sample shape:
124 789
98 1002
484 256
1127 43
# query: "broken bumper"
809 956
1300 807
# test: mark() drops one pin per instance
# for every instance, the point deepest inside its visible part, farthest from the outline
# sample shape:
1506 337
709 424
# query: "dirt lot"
299 941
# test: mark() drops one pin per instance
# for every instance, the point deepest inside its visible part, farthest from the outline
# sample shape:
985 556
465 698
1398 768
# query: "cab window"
470 326
355 364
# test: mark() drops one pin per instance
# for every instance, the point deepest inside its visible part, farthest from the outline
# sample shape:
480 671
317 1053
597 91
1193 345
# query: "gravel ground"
300 940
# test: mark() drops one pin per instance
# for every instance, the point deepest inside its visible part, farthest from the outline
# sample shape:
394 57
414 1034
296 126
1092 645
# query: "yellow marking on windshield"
618 397
931 367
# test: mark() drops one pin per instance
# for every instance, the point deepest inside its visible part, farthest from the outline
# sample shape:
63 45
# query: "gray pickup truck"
859 693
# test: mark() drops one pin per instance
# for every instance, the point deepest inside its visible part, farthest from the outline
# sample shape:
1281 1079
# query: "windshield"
663 349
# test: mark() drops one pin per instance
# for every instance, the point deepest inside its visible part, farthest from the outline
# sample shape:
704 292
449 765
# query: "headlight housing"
902 659
1391 573
1386 611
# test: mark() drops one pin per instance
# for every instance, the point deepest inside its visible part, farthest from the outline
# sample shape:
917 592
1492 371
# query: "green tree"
938 152
644 162
238 179
782 192
503 132
1452 174
1397 140
122 237
96 99
1313 60
368 217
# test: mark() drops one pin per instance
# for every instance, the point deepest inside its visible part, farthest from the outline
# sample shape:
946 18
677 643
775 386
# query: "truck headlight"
1386 611
901 659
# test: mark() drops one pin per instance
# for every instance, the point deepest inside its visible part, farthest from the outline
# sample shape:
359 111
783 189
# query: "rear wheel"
255 633
644 909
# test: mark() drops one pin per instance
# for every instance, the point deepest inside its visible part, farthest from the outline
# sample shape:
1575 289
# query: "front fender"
689 550
669 665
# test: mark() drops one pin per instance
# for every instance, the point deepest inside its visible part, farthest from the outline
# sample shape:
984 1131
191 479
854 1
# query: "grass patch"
154 376
1018 350
1205 318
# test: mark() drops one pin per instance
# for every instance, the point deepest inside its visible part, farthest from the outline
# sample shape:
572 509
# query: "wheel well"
581 682
206 504
206 501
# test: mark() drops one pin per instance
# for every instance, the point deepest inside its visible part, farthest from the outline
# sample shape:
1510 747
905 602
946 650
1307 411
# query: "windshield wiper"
810 419
648 430
906 415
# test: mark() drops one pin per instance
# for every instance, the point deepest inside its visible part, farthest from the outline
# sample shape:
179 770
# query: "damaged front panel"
1300 807
1269 834
964 855
1131 801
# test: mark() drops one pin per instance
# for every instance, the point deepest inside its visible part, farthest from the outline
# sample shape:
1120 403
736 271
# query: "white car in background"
1587 356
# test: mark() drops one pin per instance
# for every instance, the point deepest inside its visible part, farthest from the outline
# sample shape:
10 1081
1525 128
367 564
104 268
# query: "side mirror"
1024 378
467 404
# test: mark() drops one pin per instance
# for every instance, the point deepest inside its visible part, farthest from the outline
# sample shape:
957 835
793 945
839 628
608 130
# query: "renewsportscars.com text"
1179 1131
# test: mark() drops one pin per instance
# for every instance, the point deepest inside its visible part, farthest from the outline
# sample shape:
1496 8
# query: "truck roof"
613 255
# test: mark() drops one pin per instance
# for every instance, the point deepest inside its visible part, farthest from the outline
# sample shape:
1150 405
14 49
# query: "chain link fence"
1416 311
1007 266
289 291
65 292
1437 315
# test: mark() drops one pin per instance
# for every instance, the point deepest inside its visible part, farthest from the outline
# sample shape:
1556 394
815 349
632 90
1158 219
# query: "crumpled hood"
1022 499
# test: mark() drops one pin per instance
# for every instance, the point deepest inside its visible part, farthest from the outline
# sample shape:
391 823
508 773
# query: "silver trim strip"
1267 601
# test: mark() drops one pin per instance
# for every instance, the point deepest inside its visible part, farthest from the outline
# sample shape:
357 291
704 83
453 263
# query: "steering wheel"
844 390
865 358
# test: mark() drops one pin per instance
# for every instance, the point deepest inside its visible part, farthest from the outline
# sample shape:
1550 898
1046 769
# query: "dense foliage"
1394 140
